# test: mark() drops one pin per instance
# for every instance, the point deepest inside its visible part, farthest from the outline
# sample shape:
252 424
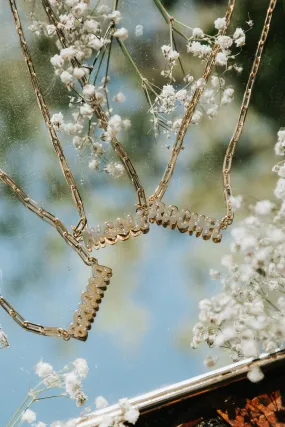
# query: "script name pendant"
112 232
90 301
185 221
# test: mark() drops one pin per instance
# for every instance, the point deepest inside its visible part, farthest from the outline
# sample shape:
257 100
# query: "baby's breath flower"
221 59
239 37
66 78
68 53
263 207
57 121
199 49
72 384
86 110
220 23
212 112
78 72
80 398
197 116
94 164
131 415
217 81
101 402
57 61
3 339
80 9
43 369
198 33
121 33
224 41
85 39
91 25
81 367
280 189
114 169
249 315
227 97
115 16
255 374
88 91
29 416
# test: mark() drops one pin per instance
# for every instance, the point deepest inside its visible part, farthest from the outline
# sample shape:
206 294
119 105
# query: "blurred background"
141 337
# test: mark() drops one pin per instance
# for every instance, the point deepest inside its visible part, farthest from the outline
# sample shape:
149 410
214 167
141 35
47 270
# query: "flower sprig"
3 339
68 381
248 316
84 34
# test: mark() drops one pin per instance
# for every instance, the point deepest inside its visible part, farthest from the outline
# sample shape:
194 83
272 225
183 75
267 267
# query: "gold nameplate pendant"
185 221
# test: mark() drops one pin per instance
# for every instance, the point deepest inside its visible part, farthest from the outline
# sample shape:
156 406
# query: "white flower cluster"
170 100
88 30
69 379
82 24
201 44
3 339
171 56
129 414
248 317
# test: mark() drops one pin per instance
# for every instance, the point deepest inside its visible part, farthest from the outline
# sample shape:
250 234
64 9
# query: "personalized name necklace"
191 222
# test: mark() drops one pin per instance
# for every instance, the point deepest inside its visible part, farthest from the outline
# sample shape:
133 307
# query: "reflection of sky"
115 371
134 345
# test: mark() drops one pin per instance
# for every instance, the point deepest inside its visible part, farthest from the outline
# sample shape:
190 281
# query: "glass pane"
142 334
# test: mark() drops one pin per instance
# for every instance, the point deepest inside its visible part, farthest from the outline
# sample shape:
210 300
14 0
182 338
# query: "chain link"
33 327
46 115
49 218
70 240
227 165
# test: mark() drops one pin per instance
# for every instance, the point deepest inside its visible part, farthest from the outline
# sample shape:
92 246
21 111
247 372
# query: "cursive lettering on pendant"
185 221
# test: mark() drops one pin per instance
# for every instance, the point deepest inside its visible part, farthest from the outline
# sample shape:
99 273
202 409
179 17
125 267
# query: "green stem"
104 47
183 25
19 416
171 34
162 10
106 73
179 59
181 34
148 97
130 59
99 66
50 397
128 56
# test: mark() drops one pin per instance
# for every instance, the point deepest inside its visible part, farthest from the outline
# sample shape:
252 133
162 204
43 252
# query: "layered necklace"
184 220
83 239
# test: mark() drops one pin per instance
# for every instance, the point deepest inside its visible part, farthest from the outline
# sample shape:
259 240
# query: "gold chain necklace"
91 299
122 228
101 275
97 283
185 220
